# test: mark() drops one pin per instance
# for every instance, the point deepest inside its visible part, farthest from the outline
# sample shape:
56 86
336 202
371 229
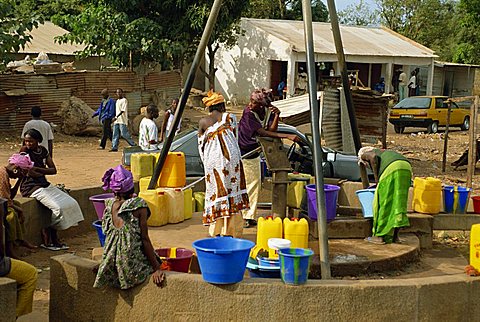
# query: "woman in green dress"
128 255
393 175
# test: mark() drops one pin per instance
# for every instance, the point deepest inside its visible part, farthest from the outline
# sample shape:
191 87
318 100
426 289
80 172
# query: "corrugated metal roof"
444 63
43 40
361 41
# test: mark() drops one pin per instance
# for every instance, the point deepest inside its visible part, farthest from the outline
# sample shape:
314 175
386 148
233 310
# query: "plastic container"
143 183
141 165
267 262
101 236
199 201
176 212
178 259
99 203
274 244
222 259
296 231
158 205
455 199
427 195
268 228
187 204
173 174
295 265
331 196
475 246
366 201
296 189
265 272
476 204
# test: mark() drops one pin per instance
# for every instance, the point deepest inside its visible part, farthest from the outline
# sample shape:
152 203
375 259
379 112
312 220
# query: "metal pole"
346 86
317 147
472 140
199 55
445 140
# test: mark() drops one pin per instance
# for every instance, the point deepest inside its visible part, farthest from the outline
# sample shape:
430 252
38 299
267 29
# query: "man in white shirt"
412 85
120 122
402 85
41 126
148 135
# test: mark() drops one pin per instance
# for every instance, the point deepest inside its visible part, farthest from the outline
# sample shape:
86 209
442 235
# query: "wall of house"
89 63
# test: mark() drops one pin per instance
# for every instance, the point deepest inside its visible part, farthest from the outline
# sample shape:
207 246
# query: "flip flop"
374 241
50 247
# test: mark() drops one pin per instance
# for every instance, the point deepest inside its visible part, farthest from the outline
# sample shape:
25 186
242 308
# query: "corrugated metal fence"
19 93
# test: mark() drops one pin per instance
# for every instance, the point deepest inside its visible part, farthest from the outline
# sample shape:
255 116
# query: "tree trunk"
211 65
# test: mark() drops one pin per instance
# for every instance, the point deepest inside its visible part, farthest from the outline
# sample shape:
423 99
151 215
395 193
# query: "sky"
342 4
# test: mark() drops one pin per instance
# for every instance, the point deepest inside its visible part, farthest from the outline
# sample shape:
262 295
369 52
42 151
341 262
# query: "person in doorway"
380 86
23 273
412 84
281 86
402 85
168 121
128 255
259 118
65 210
106 113
417 81
393 175
41 126
17 167
120 121
226 191
148 132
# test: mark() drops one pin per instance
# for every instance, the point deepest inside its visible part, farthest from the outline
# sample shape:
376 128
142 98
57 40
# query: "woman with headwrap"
65 210
226 193
393 175
17 167
128 255
259 118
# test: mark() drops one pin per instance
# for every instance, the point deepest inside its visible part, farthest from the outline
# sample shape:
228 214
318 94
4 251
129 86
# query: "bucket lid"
278 243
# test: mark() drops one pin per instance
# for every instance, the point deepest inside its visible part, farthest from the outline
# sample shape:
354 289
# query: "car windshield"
414 102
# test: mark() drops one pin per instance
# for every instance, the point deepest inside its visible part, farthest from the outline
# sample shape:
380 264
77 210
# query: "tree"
468 36
358 14
285 9
14 29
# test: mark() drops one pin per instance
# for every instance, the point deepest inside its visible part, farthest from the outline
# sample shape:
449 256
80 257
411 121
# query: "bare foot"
27 244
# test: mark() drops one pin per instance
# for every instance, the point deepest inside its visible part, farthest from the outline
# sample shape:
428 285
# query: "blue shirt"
106 110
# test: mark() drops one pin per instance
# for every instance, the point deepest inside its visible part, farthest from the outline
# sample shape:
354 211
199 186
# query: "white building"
271 50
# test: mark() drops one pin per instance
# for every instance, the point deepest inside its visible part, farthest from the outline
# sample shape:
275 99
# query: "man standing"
120 121
148 134
41 126
254 123
402 85
105 112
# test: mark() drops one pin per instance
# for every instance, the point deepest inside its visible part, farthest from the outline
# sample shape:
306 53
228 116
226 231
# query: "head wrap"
213 99
118 180
258 96
21 160
361 152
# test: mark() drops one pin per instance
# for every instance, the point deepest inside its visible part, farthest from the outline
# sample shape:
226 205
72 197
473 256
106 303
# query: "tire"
399 129
466 124
433 127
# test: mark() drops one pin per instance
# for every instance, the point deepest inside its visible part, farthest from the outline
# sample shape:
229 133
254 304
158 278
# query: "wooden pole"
445 140
472 142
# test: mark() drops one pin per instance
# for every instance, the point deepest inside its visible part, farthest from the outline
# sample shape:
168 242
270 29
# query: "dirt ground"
80 164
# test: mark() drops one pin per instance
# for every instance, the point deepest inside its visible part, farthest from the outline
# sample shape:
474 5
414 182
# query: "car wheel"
433 127
466 124
399 129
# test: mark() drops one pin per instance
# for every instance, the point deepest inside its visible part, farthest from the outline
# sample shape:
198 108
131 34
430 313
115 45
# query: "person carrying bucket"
393 175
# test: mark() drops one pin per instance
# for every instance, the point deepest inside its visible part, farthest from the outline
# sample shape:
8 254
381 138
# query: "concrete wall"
8 299
188 298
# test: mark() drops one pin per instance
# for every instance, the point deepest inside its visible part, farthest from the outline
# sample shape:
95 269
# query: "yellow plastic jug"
268 228
427 195
173 174
194 202
142 165
296 231
187 200
143 183
296 189
475 246
175 205
199 201
157 203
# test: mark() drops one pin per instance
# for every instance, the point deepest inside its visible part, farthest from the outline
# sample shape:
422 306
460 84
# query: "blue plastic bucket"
223 259
295 265
366 201
455 199
331 196
101 236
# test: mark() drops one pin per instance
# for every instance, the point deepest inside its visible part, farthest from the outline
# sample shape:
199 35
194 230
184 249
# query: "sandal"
375 240
51 247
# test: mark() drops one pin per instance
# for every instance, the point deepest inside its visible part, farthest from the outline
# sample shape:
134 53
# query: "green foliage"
358 14
14 28
285 9
468 36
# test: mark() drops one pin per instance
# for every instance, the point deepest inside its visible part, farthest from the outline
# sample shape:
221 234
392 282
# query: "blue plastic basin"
101 236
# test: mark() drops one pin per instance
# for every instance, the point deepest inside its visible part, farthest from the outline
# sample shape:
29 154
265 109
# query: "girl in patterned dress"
128 255
226 192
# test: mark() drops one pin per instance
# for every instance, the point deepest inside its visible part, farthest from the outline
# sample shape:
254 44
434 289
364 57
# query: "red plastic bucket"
476 204
181 262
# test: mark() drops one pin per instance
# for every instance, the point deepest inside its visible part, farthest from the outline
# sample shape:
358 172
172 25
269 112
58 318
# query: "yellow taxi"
429 112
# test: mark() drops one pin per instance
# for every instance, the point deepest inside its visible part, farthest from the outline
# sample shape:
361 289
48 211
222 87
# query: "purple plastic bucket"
331 196
99 203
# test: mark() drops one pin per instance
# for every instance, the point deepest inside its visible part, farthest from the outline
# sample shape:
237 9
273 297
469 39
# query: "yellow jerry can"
296 231
157 203
141 165
427 195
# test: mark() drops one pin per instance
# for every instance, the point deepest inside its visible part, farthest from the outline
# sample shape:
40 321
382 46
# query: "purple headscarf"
118 179
21 160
